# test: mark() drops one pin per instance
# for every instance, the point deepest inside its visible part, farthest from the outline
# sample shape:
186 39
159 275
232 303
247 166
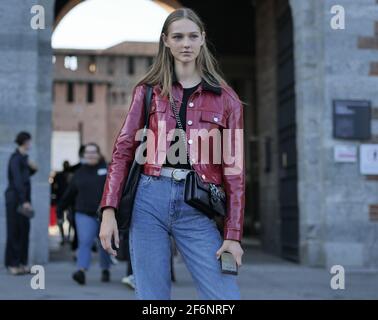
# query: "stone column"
25 100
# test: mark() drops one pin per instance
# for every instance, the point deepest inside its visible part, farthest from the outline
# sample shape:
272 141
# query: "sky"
100 24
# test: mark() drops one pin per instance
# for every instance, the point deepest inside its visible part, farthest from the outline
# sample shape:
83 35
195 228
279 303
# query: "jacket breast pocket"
158 106
157 113
213 120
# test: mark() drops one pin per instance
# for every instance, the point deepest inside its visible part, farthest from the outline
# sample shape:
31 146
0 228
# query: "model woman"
184 73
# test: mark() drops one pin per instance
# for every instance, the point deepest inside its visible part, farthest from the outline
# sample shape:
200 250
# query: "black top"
174 146
19 173
85 189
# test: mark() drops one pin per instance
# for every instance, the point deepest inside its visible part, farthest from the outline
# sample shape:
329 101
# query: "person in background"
85 191
71 211
18 193
59 186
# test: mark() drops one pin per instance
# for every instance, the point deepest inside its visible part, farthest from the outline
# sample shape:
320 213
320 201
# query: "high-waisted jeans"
160 212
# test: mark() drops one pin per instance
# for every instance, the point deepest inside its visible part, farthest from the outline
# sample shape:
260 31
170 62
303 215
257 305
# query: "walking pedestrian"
85 190
71 210
183 76
59 186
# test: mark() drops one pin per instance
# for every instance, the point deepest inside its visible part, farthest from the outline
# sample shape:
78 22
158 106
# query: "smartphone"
228 263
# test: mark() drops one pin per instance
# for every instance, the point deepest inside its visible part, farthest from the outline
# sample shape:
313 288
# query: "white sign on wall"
369 159
343 153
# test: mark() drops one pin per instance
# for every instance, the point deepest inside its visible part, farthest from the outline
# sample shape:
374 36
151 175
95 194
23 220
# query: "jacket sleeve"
123 151
18 179
233 173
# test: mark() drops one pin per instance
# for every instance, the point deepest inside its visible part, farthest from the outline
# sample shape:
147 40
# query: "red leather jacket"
209 108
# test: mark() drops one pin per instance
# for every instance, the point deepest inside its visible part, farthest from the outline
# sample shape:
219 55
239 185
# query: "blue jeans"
160 212
88 228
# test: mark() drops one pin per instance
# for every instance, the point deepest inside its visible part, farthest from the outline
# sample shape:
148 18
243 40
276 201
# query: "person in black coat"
18 195
71 210
85 191
59 186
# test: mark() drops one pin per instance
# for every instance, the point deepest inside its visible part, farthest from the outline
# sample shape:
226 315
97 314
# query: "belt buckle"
173 175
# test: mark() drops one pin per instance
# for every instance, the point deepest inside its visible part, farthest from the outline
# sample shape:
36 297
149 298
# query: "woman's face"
91 155
184 39
27 145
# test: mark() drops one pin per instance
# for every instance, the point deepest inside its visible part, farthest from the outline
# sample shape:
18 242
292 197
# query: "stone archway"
169 4
26 105
62 7
304 62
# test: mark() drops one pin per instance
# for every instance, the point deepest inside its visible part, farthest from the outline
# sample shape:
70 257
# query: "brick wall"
102 119
370 43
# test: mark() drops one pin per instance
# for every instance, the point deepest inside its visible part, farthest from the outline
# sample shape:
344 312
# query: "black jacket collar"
18 153
205 85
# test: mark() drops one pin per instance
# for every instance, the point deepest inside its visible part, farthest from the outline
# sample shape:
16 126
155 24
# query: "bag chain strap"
182 131
216 192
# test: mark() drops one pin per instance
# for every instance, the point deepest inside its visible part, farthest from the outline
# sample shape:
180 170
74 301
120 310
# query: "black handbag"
28 213
206 197
125 207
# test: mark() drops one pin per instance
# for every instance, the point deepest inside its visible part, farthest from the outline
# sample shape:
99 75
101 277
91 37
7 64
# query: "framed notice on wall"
369 159
344 153
351 119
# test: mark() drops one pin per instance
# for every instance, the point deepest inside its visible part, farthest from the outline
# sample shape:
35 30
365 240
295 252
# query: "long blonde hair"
161 70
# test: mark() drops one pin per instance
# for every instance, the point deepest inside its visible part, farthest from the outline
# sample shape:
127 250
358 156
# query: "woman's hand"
234 248
27 206
32 165
109 230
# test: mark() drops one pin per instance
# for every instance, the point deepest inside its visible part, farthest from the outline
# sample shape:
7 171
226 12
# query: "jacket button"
190 122
190 141
215 119
203 176
191 104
